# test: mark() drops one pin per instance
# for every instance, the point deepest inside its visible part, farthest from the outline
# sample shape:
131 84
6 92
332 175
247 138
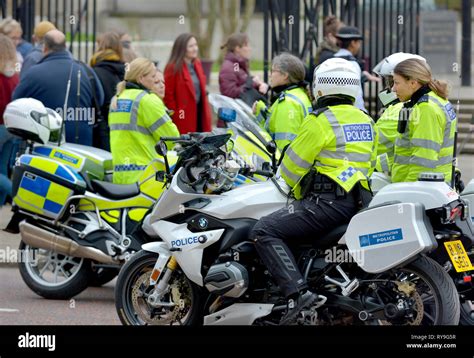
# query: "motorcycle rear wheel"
53 275
420 293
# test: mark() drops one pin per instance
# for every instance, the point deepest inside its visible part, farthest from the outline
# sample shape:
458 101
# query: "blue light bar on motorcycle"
227 114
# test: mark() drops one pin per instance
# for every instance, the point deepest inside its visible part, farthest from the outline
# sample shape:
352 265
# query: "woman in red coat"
186 87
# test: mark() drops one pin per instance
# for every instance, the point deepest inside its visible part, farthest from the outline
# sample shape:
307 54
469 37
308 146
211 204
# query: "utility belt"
324 185
315 184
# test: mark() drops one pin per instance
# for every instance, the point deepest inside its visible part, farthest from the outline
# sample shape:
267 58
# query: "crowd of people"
316 116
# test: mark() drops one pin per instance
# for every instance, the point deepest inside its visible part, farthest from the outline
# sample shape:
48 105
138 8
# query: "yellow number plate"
458 256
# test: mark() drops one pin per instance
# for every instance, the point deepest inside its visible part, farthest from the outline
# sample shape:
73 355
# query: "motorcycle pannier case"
385 236
43 186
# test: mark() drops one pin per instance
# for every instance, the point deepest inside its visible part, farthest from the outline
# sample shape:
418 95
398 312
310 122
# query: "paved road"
20 306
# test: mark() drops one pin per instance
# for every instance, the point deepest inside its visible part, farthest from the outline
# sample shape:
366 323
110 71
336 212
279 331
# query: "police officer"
388 122
137 121
292 103
427 123
327 166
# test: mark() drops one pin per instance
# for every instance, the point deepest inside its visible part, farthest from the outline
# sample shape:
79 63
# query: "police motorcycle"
77 229
457 254
452 221
92 163
203 268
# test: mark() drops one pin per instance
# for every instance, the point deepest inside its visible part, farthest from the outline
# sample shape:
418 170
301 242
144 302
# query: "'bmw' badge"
203 223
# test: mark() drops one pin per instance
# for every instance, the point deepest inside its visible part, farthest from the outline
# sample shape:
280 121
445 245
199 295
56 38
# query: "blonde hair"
133 71
8 25
7 55
418 70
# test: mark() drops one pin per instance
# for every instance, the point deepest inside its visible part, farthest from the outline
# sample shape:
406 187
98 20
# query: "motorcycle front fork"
160 276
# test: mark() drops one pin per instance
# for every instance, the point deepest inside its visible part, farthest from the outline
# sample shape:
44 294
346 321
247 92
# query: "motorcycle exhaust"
40 238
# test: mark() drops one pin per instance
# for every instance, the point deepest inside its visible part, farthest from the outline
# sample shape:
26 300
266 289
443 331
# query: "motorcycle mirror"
161 148
227 114
160 176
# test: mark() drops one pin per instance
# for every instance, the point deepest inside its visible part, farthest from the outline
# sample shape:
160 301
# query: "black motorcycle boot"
281 264
295 306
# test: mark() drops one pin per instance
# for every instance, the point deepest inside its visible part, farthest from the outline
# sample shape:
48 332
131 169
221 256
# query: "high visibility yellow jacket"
428 141
386 127
339 141
136 125
285 116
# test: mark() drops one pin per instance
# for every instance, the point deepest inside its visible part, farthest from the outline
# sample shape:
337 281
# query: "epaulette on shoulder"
318 111
281 97
425 98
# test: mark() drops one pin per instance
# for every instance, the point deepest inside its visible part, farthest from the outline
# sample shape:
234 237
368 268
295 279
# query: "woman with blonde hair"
8 81
13 30
108 64
427 123
137 121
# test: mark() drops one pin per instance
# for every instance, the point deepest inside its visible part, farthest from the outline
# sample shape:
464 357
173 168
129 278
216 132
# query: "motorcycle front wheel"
181 304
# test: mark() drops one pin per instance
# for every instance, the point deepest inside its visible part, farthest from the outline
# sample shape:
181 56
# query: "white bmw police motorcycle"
204 269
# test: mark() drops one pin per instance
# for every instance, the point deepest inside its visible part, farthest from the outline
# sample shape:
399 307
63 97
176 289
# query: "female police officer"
427 123
137 120
388 122
291 104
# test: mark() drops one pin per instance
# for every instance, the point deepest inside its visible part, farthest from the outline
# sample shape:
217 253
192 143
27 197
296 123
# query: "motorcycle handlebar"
250 171
264 173
184 137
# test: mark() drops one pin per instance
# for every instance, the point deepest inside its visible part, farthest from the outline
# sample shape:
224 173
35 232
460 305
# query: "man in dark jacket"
48 81
36 53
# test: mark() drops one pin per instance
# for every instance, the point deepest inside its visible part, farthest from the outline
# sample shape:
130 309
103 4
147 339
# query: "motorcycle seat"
115 191
331 238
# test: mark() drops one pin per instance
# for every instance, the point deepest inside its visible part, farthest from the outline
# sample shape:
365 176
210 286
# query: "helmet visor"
41 118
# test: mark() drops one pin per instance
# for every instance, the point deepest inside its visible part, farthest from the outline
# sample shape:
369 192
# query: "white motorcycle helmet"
387 65
335 76
29 119
385 69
